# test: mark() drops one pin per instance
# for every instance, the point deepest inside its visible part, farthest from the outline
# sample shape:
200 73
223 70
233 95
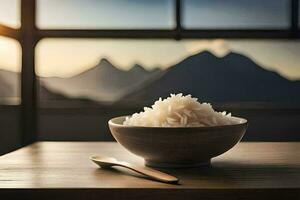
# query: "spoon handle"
151 173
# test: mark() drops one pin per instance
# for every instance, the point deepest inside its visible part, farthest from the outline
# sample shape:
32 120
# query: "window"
113 77
10 67
148 37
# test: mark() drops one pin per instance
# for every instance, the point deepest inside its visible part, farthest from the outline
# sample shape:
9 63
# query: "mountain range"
9 84
102 83
232 78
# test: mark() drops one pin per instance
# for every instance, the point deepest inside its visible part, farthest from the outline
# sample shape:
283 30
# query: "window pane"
85 82
10 67
106 14
218 14
10 13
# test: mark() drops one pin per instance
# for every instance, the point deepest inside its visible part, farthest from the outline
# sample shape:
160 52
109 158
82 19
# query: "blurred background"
68 66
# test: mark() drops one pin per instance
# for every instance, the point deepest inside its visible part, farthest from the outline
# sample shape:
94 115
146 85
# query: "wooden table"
62 170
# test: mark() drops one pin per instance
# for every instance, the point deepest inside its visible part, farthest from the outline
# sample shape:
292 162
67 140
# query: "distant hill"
103 83
232 78
10 89
9 83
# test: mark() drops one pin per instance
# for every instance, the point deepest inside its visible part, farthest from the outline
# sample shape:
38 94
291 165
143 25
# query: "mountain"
10 88
103 83
232 78
9 84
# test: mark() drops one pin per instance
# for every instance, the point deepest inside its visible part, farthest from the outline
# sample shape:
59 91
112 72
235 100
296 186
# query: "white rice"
179 111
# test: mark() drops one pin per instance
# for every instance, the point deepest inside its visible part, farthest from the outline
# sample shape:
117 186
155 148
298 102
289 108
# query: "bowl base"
175 165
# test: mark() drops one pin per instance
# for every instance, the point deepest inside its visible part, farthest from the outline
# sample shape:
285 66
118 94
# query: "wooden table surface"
62 170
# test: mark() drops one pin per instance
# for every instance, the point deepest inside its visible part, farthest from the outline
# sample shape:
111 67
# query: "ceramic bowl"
177 146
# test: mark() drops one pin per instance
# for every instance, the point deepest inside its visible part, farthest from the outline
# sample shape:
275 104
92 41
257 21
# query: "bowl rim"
112 123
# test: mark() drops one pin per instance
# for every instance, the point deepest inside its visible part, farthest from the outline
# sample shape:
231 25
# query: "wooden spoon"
107 162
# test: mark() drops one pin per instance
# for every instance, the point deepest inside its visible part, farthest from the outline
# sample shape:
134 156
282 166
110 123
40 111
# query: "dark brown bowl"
177 146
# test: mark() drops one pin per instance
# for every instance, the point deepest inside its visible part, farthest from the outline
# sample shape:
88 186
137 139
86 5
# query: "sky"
68 57
9 14
265 14
152 14
281 56
105 14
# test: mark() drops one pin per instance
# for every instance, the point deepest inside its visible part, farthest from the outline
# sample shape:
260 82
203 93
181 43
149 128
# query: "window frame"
29 35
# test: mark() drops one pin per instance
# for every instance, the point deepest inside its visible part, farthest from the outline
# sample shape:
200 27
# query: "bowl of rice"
178 131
